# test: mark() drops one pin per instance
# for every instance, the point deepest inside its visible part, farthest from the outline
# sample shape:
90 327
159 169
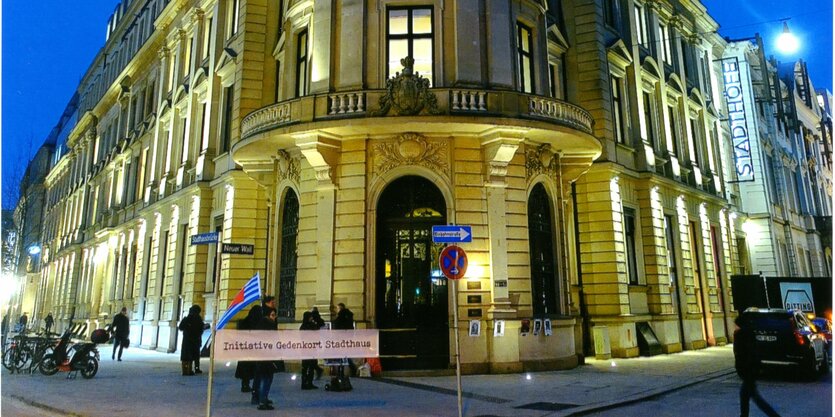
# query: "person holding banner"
345 321
264 370
245 370
308 365
192 328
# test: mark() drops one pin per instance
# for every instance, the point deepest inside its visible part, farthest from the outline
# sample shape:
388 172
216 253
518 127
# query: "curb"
643 396
44 406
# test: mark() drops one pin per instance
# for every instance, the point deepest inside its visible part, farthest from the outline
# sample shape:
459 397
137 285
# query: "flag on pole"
249 293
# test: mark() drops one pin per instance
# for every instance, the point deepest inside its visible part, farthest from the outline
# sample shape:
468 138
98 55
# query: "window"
641 26
523 50
664 35
187 57
671 250
287 271
277 81
617 110
233 16
695 140
207 36
556 76
409 33
673 129
649 118
631 246
226 133
544 284
301 63
611 13
203 116
140 174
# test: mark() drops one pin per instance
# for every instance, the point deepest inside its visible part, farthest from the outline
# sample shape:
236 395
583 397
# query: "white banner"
797 296
259 345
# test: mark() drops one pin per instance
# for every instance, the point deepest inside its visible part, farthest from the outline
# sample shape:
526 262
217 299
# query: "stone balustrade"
347 103
562 112
468 100
265 118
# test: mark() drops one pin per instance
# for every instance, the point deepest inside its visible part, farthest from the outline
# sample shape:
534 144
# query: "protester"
48 322
345 321
269 301
264 370
120 329
192 328
308 365
245 371
22 322
747 364
320 323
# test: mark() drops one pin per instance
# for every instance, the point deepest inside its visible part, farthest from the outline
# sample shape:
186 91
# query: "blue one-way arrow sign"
452 234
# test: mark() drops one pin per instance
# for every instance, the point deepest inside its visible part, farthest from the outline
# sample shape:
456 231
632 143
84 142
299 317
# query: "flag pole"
214 332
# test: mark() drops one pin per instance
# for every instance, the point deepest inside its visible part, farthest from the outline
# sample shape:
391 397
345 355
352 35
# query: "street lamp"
34 249
787 43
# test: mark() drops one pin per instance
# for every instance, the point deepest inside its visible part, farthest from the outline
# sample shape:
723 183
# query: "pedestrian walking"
245 370
345 321
264 370
120 329
308 365
48 322
747 363
192 328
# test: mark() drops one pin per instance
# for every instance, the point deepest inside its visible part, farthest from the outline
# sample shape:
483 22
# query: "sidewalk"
149 384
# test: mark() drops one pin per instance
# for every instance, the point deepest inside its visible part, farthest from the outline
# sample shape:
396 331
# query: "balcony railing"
366 103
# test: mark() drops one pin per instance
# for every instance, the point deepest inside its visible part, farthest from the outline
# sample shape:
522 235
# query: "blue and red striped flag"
249 293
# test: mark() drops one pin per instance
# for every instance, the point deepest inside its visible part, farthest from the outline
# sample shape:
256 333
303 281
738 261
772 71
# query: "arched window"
544 280
287 268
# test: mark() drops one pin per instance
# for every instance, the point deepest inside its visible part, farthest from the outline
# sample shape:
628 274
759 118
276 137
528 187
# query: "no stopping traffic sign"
453 262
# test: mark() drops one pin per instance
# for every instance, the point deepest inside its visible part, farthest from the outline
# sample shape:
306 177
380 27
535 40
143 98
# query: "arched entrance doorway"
411 297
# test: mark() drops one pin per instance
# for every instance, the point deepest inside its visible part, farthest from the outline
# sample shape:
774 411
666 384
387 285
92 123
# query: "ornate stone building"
333 135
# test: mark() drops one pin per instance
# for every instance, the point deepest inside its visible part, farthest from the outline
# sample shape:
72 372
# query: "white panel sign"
797 296
257 345
736 117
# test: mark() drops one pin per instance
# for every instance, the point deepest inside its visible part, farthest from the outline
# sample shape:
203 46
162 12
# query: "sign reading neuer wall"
260 345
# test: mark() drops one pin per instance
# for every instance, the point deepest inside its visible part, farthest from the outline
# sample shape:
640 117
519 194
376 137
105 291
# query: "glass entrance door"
412 297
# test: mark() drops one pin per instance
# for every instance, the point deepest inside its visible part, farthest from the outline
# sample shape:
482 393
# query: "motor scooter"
71 357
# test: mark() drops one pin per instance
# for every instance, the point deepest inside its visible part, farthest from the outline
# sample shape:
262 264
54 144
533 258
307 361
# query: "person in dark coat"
308 365
264 370
245 370
48 322
345 321
192 328
320 323
747 364
120 328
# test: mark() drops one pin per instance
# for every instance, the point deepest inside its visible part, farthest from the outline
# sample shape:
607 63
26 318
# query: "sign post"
222 248
453 263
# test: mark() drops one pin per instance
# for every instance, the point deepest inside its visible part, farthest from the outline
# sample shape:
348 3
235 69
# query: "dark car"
787 338
824 326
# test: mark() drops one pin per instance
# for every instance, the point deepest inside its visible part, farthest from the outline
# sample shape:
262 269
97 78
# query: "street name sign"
204 238
452 234
237 249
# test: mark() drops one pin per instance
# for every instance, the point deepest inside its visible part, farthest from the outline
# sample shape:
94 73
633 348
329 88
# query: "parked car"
788 338
824 326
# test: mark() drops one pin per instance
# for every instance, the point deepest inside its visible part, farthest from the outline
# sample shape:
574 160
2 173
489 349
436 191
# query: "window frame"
302 67
522 55
650 117
410 36
641 33
631 244
618 113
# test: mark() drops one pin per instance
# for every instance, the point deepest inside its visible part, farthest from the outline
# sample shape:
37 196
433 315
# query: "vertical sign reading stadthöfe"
738 123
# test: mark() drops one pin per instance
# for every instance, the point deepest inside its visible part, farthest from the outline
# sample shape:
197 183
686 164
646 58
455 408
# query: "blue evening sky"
47 46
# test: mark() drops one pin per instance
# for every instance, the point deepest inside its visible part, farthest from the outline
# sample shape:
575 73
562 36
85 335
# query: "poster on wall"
797 296
537 327
498 328
525 327
475 328
548 331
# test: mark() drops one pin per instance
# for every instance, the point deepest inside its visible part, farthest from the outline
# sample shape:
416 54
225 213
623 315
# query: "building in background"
786 188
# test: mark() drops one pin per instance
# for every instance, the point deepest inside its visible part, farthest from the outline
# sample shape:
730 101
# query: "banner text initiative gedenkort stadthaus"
296 344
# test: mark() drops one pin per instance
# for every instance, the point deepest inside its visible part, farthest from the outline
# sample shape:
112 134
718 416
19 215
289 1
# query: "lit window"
523 49
233 13
410 34
641 26
664 34
556 76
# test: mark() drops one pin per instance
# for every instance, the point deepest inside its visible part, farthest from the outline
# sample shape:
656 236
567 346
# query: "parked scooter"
72 357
